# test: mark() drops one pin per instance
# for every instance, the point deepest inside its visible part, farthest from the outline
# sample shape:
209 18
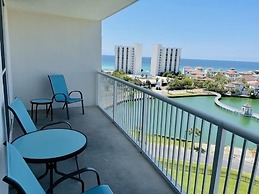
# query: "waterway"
238 102
206 104
165 123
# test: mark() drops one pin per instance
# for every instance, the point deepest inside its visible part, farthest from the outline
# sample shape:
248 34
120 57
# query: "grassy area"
166 141
186 94
244 183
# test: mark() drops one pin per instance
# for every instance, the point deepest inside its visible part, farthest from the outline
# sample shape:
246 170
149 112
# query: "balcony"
142 142
119 162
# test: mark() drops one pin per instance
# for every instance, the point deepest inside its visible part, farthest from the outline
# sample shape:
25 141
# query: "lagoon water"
206 104
167 121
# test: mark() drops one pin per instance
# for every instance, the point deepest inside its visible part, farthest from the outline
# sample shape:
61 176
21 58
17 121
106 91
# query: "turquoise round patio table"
51 146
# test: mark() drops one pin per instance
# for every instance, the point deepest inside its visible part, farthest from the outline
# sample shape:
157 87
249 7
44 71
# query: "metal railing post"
114 100
144 122
218 159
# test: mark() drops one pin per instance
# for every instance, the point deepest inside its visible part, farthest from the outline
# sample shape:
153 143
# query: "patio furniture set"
60 94
48 145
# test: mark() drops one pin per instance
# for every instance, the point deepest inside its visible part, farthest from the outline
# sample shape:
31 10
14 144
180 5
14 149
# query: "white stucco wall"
42 44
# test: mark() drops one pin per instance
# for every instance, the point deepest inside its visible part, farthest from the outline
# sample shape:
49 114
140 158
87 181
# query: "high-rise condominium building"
128 58
164 59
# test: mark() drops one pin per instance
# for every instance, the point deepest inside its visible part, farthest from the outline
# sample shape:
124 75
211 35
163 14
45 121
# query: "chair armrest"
72 174
58 94
57 123
76 91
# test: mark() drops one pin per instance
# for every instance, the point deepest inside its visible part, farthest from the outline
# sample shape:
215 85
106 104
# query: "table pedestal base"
52 167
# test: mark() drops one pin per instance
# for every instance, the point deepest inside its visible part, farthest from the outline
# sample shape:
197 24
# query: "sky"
203 29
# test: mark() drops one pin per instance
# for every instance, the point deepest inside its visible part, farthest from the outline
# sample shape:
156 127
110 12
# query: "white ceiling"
86 9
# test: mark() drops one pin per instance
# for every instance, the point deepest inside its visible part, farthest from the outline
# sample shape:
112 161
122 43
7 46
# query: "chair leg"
67 110
83 110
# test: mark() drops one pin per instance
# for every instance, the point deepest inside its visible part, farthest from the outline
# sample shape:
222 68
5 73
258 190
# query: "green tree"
120 74
168 74
198 83
137 82
220 78
187 83
148 83
197 132
250 91
237 91
175 84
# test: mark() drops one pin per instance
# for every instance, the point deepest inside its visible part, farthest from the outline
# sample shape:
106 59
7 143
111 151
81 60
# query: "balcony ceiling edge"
84 9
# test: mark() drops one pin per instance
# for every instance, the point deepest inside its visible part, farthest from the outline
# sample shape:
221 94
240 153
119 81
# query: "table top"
50 145
41 101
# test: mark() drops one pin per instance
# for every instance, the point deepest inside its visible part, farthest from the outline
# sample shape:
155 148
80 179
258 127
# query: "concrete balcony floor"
119 163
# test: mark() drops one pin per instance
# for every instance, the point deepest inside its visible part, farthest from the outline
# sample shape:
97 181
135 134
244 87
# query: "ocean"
108 62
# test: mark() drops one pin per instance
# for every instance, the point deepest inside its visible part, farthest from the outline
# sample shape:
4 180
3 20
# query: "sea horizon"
108 63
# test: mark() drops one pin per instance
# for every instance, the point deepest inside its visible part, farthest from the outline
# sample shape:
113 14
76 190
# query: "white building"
164 59
128 58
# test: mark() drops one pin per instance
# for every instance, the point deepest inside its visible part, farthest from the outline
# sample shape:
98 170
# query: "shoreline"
108 63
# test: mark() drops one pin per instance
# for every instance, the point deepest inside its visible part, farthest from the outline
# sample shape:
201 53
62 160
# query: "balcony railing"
194 151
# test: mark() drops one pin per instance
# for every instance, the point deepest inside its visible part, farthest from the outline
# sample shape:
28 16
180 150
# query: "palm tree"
196 133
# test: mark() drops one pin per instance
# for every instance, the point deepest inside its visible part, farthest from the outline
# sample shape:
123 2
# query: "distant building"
232 73
249 76
240 87
128 58
255 86
247 110
210 72
187 71
164 59
197 73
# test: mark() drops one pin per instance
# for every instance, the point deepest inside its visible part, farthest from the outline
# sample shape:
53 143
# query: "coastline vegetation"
178 81
187 93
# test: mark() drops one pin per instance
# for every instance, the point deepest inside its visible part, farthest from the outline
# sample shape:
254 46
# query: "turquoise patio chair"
61 94
23 118
20 176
